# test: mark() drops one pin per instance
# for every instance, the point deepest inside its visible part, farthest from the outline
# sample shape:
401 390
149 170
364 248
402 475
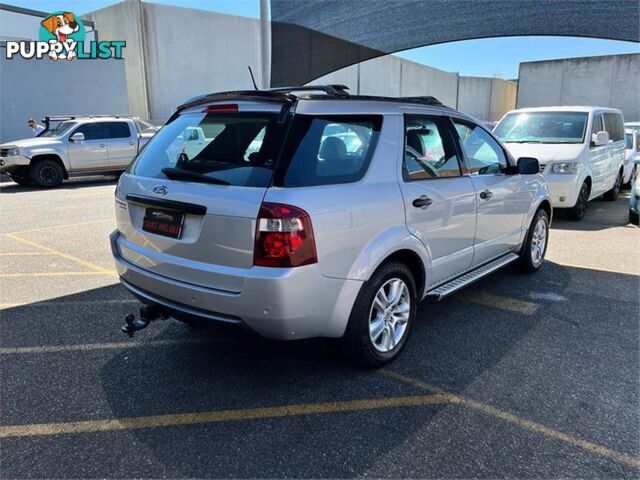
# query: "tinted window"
628 138
614 126
328 150
118 130
215 145
542 127
597 125
92 131
426 155
483 154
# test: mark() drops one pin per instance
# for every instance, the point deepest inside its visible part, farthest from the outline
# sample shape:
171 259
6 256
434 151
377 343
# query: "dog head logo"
63 28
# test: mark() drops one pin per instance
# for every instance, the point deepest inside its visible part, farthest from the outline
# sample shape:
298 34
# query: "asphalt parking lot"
518 376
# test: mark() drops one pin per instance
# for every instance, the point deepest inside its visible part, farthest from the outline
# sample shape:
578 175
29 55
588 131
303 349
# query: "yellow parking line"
503 303
88 347
519 421
52 274
53 227
61 254
171 420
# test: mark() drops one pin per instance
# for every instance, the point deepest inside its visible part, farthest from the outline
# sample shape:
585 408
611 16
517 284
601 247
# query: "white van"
580 151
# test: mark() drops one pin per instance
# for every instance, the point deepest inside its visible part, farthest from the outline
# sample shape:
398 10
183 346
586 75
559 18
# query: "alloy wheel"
389 315
538 241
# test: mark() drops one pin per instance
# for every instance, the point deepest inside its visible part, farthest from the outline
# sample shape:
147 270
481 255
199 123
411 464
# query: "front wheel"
612 195
580 208
535 245
46 173
382 316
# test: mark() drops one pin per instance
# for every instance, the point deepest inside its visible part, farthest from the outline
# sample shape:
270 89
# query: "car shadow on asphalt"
455 345
71 184
601 215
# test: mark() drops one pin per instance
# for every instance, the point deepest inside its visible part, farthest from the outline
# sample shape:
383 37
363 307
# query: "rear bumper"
280 303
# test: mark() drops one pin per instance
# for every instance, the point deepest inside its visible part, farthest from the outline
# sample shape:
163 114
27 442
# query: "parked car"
311 238
634 202
580 149
75 146
631 155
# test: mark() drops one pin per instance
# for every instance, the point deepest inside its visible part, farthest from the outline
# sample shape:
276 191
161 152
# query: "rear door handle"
486 194
130 143
422 202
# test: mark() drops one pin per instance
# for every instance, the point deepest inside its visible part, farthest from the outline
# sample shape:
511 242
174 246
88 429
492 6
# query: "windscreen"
237 149
542 127
58 130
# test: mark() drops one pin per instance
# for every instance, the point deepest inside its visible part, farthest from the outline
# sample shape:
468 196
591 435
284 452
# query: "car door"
92 152
123 144
599 159
502 199
439 201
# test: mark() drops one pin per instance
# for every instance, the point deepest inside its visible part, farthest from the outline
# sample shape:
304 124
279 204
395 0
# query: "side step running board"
474 275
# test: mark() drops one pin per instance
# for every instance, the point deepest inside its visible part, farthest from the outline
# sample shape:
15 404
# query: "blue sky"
484 57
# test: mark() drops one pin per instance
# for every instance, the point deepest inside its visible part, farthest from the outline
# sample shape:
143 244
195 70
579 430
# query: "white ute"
91 145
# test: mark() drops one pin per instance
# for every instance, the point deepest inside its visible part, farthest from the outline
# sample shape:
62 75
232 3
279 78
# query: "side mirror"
600 138
528 166
77 137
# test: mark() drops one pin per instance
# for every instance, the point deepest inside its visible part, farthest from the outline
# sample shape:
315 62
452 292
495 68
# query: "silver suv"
308 212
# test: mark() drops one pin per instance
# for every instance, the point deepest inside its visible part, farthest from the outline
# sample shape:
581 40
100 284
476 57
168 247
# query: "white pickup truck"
91 145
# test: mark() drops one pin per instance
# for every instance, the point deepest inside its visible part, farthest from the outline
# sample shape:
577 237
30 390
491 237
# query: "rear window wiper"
180 174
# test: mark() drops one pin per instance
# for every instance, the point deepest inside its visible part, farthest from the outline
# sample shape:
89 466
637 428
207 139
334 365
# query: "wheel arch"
50 156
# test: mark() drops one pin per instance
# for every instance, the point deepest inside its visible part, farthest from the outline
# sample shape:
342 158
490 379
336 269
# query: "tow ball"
147 315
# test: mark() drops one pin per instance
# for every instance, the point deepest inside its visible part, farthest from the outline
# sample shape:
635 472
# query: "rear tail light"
284 237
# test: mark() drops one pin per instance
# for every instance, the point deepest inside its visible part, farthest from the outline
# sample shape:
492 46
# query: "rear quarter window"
325 150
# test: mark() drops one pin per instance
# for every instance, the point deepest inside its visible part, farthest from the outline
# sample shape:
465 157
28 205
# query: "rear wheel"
46 173
382 316
24 181
535 245
580 208
612 195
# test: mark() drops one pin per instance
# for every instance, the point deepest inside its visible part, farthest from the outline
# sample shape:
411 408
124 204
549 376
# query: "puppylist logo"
62 37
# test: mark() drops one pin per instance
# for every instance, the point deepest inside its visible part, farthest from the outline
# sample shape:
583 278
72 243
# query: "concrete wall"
173 53
486 98
35 88
610 81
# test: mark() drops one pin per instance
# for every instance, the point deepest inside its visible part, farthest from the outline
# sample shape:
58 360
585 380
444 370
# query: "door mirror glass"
528 165
77 137
600 138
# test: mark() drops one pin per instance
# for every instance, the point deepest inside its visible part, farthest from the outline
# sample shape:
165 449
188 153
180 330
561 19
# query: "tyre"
24 181
612 195
382 316
535 245
46 173
633 218
580 208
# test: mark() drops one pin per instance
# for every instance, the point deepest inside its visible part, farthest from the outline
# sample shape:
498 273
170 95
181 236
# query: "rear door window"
118 130
324 150
238 148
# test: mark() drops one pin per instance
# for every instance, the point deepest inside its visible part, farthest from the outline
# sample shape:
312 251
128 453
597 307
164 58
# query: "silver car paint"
356 227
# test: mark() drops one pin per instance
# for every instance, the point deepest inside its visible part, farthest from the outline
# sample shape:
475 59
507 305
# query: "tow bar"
148 314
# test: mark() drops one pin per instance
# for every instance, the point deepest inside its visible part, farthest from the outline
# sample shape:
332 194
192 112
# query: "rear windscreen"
237 149
324 150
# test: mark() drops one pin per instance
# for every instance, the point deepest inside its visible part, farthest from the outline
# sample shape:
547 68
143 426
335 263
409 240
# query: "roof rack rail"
334 89
427 100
